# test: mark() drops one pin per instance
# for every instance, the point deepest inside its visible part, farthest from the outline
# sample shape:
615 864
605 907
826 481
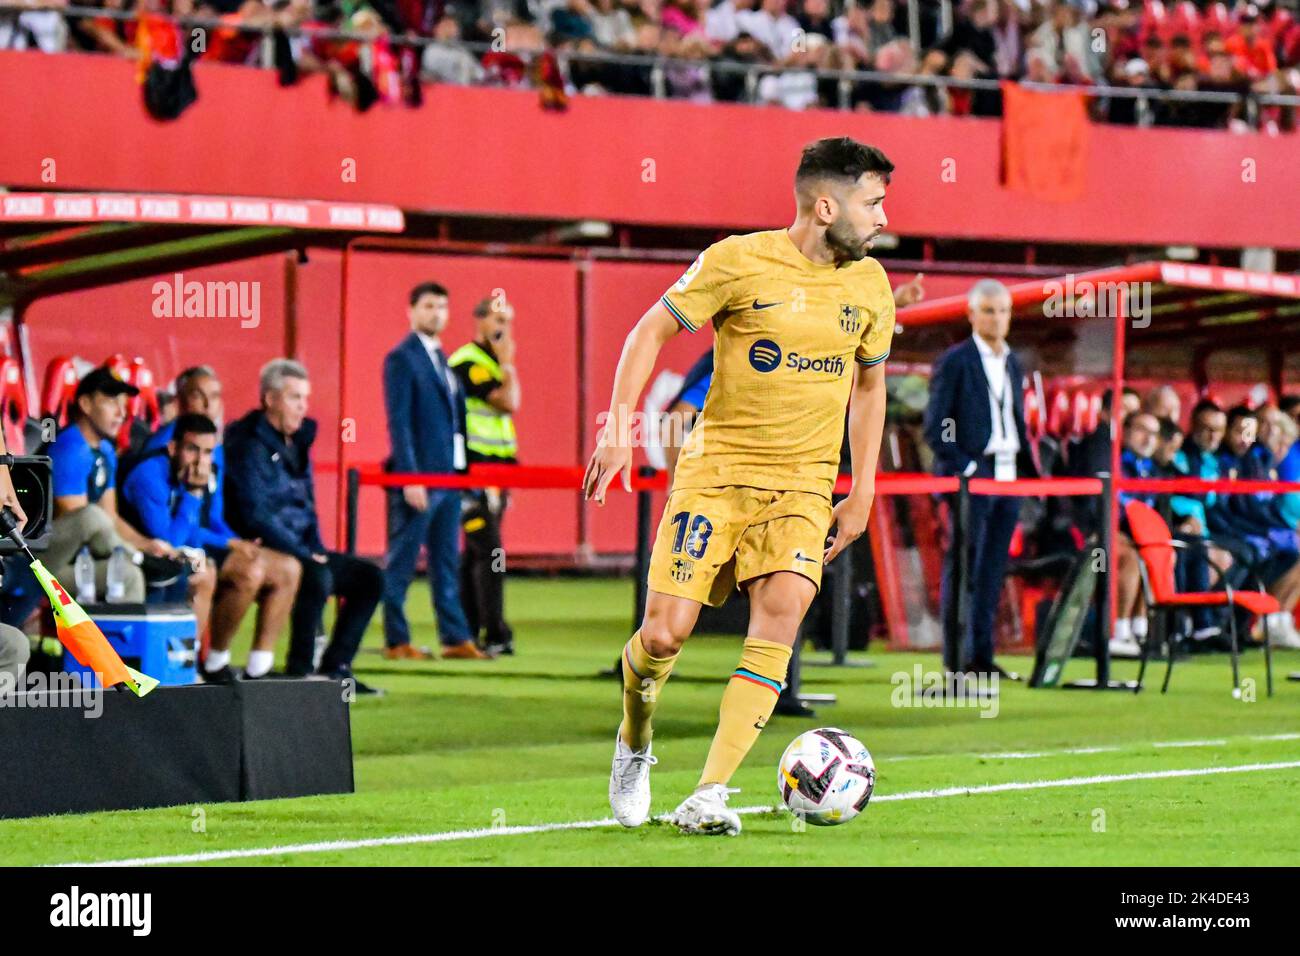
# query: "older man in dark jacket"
269 495
975 425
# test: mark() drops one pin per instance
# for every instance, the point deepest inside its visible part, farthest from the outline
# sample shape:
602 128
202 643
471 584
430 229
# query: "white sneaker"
706 812
629 783
1282 632
1125 647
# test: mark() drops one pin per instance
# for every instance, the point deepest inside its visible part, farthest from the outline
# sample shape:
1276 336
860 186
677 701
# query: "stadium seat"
1157 549
141 410
13 404
60 385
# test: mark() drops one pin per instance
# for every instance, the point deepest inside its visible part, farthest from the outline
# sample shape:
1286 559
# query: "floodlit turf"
526 741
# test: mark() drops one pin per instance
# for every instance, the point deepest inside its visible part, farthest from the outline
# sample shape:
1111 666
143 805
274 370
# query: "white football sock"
216 660
259 663
1139 627
1123 630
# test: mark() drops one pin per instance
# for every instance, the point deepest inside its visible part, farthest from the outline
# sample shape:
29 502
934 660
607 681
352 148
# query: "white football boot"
705 812
629 783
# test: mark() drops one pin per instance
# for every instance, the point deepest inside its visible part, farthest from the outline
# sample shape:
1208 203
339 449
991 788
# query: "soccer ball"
826 777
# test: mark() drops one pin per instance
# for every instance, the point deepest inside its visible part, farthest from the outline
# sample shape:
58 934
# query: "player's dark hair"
1289 403
1203 406
840 159
192 423
427 288
1240 411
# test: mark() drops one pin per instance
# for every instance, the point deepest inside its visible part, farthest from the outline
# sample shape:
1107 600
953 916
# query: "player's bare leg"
777 604
648 659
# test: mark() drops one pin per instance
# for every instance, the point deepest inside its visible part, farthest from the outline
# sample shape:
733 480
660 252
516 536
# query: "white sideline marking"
454 835
1070 751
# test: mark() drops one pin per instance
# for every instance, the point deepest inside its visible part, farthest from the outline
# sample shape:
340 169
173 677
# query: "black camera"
33 479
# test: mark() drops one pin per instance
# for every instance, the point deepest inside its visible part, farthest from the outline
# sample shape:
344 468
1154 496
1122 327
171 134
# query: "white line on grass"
1070 751
335 846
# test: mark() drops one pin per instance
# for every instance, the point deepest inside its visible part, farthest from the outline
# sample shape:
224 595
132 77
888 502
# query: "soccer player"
802 325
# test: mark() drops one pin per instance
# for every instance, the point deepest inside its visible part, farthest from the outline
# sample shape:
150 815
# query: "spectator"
611 26
270 487
176 494
1250 48
685 17
814 16
486 370
1141 435
38 27
442 62
85 497
729 85
975 425
771 26
722 22
1256 518
426 429
1163 402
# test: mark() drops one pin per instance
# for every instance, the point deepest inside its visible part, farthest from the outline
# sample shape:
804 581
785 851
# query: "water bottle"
118 566
83 576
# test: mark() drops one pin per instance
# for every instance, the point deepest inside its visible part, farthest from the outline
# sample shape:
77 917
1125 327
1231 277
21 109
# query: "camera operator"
15 648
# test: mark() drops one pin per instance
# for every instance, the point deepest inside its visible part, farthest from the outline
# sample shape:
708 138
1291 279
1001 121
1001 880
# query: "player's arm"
672 435
866 424
613 454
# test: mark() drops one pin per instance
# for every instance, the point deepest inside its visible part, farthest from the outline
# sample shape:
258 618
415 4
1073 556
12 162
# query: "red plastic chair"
60 385
1157 549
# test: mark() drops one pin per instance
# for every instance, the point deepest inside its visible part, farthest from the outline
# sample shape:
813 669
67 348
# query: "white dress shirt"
1002 407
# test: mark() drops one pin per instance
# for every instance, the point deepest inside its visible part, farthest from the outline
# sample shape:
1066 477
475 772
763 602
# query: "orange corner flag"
82 636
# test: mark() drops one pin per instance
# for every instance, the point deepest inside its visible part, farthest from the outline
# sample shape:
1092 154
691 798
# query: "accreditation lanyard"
1004 461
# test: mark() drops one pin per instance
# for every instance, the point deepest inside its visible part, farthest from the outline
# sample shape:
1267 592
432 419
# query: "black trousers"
992 523
482 568
359 584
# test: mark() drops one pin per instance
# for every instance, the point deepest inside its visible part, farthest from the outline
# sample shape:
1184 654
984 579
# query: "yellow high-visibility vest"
488 430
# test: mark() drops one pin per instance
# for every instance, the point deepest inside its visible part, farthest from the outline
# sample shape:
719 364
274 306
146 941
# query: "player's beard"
845 244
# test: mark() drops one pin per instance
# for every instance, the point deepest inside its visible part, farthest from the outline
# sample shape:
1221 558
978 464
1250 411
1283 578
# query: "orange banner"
1045 143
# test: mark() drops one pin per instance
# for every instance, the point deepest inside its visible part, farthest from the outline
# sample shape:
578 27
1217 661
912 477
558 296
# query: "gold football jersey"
787 332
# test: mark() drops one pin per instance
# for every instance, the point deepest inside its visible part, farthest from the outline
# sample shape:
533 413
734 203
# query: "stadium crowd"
767 51
222 515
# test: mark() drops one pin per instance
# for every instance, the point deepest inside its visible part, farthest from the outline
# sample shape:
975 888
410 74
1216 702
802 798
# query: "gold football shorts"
712 539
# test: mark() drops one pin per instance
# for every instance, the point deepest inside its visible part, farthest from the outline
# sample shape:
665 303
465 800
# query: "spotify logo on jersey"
765 355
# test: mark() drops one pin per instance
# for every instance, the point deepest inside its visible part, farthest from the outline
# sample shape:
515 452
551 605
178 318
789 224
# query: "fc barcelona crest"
851 319
682 570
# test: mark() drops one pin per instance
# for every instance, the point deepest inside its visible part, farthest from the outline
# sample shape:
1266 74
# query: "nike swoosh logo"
760 306
801 557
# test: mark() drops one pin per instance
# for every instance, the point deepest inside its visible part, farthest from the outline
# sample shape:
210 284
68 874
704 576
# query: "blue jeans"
438 529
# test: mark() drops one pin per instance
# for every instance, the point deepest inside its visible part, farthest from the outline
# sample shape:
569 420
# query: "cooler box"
160 640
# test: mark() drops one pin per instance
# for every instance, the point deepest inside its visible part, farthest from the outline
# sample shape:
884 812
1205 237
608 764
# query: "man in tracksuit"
270 496
175 493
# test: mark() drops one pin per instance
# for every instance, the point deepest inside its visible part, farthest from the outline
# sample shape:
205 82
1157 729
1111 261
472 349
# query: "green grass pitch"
461 747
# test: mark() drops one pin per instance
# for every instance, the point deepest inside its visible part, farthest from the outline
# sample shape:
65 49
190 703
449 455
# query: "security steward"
487 374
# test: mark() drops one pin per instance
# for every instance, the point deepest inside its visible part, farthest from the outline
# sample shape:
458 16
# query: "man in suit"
426 426
975 425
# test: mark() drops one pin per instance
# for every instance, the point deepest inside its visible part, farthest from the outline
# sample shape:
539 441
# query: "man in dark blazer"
975 425
426 427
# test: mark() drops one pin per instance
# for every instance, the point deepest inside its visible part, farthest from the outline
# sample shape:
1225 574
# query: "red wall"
485 151
544 294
